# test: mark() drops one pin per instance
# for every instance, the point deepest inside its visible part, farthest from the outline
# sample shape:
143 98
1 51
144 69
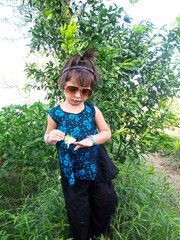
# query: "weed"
146 207
31 201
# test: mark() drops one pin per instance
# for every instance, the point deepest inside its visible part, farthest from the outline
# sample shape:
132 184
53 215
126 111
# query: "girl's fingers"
77 147
56 135
87 142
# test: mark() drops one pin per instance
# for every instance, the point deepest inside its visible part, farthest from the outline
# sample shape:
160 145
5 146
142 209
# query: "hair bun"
81 59
89 54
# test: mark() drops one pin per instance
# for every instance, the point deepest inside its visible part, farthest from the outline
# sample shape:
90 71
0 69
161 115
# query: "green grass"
36 216
32 206
172 155
147 208
147 205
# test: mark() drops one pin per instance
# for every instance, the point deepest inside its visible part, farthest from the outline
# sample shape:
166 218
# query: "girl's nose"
78 94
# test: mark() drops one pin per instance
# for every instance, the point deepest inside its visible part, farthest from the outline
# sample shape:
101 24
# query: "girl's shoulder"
90 107
53 111
55 108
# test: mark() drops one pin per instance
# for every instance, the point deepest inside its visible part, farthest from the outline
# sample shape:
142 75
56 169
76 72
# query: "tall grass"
32 206
147 209
39 216
172 153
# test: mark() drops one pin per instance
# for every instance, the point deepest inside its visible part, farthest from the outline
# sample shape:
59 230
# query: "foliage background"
135 61
137 79
32 204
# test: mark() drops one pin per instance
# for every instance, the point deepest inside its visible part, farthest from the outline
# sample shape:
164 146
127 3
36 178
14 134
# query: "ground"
170 168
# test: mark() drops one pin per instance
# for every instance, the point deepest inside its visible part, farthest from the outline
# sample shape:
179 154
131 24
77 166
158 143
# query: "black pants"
89 207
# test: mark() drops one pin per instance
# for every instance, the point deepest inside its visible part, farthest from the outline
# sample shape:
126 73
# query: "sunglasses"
72 90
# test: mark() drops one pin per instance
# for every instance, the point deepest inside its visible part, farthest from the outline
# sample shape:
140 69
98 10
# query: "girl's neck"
67 107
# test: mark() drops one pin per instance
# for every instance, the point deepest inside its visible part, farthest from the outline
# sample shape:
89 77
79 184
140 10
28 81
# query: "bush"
147 205
24 155
31 199
40 216
146 209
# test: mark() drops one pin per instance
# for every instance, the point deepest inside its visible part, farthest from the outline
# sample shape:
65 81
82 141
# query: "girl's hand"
55 135
87 142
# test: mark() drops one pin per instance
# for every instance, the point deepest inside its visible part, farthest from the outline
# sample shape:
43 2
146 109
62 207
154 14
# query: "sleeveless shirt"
82 163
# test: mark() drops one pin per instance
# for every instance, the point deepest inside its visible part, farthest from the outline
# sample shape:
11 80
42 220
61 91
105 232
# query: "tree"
137 74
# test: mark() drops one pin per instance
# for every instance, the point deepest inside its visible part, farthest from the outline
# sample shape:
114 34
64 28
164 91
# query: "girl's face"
75 94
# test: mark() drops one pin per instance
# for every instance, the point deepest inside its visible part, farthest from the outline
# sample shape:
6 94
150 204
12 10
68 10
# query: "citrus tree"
135 61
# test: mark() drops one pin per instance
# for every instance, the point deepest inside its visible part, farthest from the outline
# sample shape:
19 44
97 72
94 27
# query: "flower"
68 140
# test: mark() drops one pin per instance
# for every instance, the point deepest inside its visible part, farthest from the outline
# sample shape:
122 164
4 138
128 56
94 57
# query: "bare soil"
170 168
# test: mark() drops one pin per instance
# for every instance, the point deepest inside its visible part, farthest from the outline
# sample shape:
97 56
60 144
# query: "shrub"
147 205
24 155
31 199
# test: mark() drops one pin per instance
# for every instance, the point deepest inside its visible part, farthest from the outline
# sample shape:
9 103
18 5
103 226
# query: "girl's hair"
81 68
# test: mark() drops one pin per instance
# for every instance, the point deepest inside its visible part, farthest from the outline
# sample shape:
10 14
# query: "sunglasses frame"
80 89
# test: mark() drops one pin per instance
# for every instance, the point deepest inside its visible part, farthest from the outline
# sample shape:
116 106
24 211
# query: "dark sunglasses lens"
86 92
71 90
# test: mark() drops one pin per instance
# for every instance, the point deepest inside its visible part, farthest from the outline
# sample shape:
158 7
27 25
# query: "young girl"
90 198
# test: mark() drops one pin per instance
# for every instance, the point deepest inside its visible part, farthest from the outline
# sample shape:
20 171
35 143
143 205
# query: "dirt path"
163 165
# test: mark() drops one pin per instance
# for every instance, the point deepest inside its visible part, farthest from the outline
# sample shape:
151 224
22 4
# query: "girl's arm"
54 134
104 133
101 137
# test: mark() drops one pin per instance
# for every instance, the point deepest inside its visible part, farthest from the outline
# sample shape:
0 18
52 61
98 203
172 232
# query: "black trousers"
89 207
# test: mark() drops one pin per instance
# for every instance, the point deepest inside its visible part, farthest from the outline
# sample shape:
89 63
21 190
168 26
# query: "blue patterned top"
81 163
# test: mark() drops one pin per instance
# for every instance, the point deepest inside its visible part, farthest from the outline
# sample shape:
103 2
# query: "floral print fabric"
82 163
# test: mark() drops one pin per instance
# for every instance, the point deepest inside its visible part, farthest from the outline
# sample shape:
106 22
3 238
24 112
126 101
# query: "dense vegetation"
137 78
32 205
137 74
